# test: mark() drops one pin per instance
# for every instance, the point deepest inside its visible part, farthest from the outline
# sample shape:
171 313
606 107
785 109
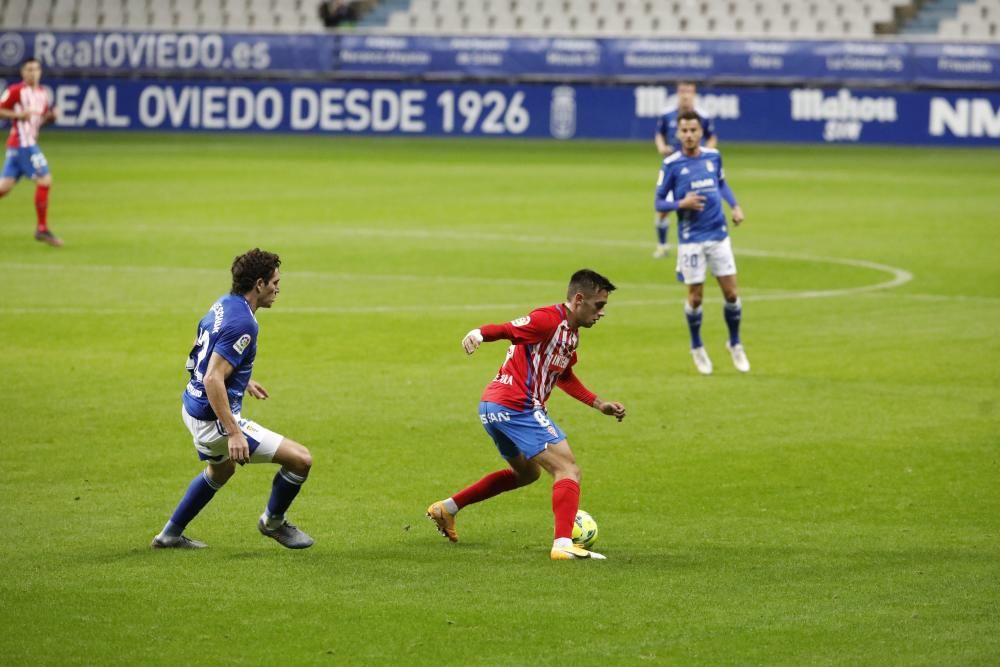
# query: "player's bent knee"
294 457
529 476
221 472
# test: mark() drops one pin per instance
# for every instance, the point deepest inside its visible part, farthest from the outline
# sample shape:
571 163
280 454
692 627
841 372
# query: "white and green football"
584 530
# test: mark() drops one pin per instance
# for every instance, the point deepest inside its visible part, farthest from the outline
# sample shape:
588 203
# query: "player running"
667 143
692 182
26 105
220 364
512 408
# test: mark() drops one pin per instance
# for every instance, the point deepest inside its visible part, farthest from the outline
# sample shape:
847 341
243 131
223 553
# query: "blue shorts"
29 161
528 432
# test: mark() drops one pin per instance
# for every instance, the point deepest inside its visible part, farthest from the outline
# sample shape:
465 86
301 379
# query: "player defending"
512 408
220 364
666 143
694 178
26 105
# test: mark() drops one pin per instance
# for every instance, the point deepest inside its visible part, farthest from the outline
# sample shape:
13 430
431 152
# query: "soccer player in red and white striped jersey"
26 106
512 409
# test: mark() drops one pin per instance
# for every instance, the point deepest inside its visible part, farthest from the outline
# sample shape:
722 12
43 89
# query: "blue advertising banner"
791 114
864 62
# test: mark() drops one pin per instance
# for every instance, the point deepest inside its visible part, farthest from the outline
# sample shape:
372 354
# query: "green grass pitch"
838 505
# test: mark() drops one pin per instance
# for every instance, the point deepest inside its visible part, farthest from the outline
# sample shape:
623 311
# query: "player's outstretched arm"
472 341
531 328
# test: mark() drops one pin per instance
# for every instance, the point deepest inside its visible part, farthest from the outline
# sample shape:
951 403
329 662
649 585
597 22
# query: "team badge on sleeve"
521 321
241 344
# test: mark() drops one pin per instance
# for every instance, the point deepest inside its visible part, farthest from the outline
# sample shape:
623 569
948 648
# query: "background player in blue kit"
695 178
220 364
667 143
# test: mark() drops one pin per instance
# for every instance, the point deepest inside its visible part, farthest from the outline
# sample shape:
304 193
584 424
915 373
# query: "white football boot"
662 250
739 357
701 360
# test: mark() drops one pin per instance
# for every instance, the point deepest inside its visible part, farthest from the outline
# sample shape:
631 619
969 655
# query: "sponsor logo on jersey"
494 417
703 183
219 311
559 361
241 344
521 321
504 378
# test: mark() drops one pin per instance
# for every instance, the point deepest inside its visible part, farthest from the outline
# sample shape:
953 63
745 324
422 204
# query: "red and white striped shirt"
19 97
541 356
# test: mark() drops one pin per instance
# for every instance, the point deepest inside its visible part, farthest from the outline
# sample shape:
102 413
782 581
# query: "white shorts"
693 258
212 441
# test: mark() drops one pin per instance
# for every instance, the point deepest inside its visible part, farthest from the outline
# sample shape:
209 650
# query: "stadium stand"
973 20
647 18
820 19
204 15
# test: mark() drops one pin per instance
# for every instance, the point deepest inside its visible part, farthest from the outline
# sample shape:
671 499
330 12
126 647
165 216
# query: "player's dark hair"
253 265
28 61
686 82
588 282
688 115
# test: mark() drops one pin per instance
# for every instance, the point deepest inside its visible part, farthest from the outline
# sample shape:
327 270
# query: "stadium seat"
37 15
557 24
531 22
161 17
950 28
88 17
112 17
748 25
695 24
503 23
450 23
399 22
237 20
585 24
476 22
779 26
210 16
427 22
615 24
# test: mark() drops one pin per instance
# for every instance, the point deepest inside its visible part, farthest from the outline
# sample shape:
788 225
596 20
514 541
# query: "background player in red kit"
512 408
26 106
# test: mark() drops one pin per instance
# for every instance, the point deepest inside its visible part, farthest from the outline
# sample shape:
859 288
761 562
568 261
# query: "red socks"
565 503
493 484
42 206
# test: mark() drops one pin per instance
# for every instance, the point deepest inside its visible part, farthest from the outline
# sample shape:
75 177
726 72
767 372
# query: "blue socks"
733 312
694 324
285 487
199 492
662 229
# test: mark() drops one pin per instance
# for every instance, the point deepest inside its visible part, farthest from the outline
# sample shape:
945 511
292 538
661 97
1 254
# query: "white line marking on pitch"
899 276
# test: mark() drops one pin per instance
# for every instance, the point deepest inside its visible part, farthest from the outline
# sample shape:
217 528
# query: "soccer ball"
584 530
